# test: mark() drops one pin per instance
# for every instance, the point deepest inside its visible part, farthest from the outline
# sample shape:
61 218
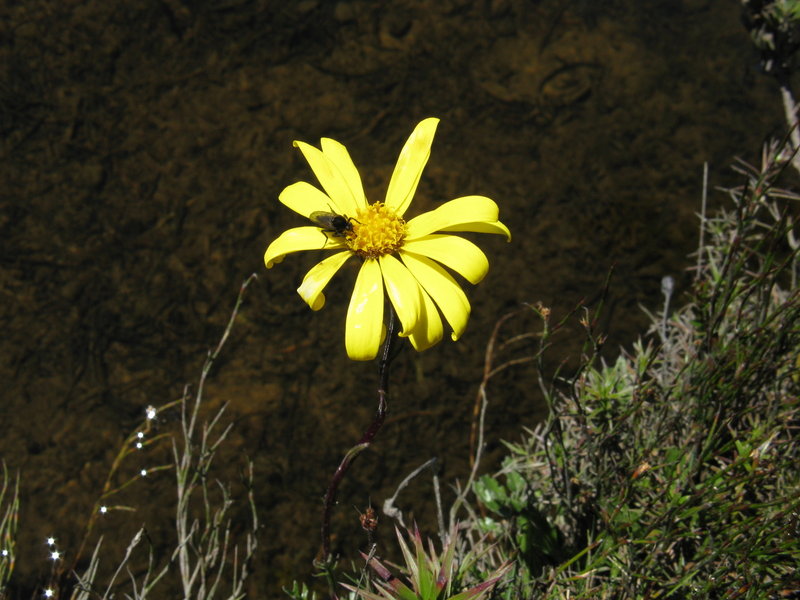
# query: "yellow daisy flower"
399 257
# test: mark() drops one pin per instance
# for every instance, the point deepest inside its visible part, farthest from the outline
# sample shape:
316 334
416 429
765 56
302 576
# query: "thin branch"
387 355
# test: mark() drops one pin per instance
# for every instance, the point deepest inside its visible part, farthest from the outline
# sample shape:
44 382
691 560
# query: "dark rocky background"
143 147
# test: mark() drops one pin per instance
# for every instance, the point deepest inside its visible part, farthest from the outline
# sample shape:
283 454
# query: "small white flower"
143 472
51 541
103 509
55 555
151 412
48 593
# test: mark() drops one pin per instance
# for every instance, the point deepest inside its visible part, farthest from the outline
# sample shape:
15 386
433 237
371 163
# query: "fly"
330 222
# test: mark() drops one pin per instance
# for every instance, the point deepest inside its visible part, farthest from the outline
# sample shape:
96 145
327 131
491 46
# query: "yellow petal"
303 198
364 324
410 164
331 179
339 156
298 239
429 328
318 277
454 252
469 209
495 227
443 289
403 290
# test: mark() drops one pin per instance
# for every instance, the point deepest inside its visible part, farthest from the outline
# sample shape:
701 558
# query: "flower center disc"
377 230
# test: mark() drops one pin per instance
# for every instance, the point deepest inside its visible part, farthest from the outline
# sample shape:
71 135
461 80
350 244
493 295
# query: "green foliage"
300 591
786 10
512 512
774 27
430 575
673 471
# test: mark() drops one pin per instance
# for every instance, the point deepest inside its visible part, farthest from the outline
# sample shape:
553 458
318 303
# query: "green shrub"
672 472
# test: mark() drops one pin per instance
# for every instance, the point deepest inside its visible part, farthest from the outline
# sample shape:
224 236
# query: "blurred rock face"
144 146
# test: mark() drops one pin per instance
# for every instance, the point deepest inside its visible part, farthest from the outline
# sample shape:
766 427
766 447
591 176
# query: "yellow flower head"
399 257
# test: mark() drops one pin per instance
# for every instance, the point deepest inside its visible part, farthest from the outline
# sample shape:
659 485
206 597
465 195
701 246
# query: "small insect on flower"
333 223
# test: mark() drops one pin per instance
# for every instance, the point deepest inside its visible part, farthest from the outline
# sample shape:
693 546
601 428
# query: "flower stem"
387 355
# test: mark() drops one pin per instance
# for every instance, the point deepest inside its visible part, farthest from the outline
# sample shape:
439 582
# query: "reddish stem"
387 355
